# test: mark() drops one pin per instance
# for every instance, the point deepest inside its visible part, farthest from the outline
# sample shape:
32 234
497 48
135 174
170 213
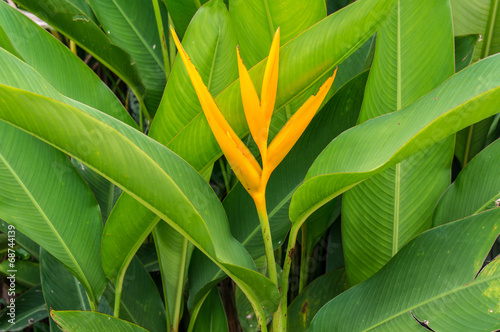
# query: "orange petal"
243 163
293 129
270 83
251 104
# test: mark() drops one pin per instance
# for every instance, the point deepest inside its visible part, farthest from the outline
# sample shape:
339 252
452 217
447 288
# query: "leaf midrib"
139 35
397 176
490 28
47 221
437 297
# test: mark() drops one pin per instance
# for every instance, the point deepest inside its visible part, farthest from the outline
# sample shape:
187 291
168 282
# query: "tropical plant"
133 200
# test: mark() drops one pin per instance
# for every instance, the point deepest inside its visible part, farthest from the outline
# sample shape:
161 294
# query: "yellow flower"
258 113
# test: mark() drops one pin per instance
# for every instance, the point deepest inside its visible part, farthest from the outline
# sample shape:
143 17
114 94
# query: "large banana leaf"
365 150
256 22
174 255
57 64
480 17
73 321
131 25
45 198
146 311
61 290
181 12
130 222
116 151
434 282
76 20
477 188
412 57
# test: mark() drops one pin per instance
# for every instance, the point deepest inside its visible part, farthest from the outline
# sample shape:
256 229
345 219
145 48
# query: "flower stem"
260 203
304 262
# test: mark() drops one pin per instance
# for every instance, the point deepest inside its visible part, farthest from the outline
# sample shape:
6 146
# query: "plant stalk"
260 203
290 251
304 262
161 32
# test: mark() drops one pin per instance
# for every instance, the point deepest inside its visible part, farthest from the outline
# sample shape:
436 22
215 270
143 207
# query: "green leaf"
73 321
305 306
464 49
181 196
148 257
412 57
471 140
181 12
475 189
141 303
27 272
74 20
365 150
29 308
432 280
42 191
58 65
257 21
130 222
480 17
131 25
306 60
211 317
174 254
61 290
105 192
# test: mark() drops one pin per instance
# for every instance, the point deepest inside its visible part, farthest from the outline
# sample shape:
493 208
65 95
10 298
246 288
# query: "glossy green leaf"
27 272
73 321
61 290
174 255
383 213
432 280
58 65
41 192
181 12
130 222
131 25
478 17
180 194
29 308
211 317
105 192
74 19
140 303
126 229
464 49
257 21
305 306
304 61
365 150
471 140
147 256
476 188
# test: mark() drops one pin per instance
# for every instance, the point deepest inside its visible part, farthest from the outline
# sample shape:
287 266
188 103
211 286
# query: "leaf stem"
161 32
